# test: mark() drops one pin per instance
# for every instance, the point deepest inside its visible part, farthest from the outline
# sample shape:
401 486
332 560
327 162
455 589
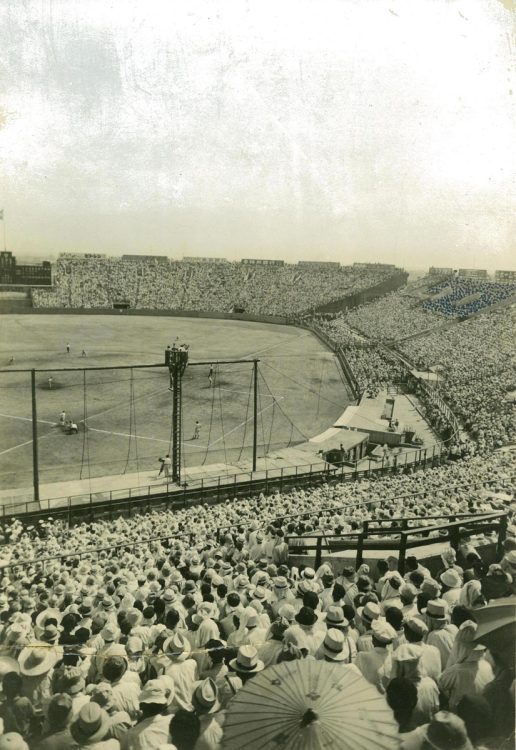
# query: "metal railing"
400 537
367 529
148 497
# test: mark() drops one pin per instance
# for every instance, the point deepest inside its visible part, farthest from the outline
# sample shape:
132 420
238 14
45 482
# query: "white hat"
333 645
247 661
382 631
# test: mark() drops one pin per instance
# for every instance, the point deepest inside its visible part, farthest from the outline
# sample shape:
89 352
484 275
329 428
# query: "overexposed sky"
301 129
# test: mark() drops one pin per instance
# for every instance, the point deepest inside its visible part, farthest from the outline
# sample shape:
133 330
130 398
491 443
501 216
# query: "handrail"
454 531
218 532
421 456
367 531
86 552
453 525
327 508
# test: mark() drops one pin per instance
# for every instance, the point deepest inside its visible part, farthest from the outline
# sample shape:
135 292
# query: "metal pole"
35 467
176 417
255 413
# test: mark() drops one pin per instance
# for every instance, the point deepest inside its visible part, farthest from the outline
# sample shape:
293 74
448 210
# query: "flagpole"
3 222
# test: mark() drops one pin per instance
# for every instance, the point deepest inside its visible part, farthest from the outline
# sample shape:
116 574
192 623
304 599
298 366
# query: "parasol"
309 705
497 625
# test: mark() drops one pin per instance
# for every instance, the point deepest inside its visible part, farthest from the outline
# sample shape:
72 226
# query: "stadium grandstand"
371 596
252 286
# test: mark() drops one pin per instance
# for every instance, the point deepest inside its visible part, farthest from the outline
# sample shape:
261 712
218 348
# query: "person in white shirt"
441 632
152 730
430 661
375 664
182 669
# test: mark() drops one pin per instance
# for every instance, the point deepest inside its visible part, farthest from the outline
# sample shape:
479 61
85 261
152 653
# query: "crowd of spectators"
458 297
147 283
145 644
448 488
373 367
420 306
391 317
475 362
144 647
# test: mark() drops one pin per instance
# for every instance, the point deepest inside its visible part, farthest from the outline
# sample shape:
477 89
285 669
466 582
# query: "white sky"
300 129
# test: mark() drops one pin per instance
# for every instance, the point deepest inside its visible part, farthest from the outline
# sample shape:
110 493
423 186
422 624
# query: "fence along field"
128 412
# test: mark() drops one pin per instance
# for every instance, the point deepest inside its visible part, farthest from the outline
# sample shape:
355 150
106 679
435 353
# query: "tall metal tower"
176 359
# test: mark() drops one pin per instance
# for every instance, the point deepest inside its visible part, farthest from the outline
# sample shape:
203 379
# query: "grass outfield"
128 412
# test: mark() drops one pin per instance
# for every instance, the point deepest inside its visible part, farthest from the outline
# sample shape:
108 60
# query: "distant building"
473 273
505 276
29 274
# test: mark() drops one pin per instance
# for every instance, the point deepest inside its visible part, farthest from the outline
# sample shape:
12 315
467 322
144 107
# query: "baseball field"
124 416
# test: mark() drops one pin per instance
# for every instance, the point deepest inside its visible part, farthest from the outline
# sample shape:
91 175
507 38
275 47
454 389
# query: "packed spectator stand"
152 642
476 365
158 631
459 297
144 283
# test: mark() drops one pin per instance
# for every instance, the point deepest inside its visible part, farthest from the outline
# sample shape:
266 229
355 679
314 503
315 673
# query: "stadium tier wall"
366 295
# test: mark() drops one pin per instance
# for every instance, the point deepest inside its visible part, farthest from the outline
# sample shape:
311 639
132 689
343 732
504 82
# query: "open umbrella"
309 705
497 625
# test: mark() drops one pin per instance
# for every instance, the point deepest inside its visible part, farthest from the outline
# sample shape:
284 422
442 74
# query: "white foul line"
244 422
26 419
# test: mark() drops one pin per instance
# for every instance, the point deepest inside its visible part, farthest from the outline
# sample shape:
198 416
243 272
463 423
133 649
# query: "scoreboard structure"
505 277
262 262
472 273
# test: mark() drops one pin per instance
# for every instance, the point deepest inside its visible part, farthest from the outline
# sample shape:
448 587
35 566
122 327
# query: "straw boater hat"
259 593
451 578
333 645
335 617
107 604
37 659
437 609
247 661
205 698
287 611
308 574
160 691
383 632
91 725
280 583
70 681
177 647
369 612
306 585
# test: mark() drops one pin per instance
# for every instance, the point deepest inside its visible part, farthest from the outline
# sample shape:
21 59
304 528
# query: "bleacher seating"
210 287
467 296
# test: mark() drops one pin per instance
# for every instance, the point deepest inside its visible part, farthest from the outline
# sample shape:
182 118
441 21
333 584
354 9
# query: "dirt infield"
127 413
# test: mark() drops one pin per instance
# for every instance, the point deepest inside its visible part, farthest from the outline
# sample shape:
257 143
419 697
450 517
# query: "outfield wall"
6 305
